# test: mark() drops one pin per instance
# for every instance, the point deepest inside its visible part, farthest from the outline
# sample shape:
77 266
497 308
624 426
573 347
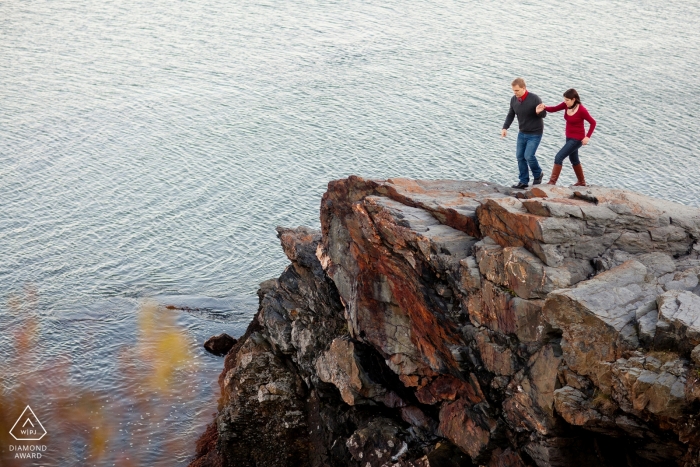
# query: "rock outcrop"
447 323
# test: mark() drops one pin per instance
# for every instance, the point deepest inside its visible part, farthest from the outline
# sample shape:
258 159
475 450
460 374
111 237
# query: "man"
524 105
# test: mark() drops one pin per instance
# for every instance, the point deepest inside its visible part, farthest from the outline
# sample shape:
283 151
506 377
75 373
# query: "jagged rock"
265 402
556 223
576 381
301 311
451 202
220 345
687 280
647 317
578 410
468 429
678 325
446 323
530 406
524 273
644 384
497 309
449 388
497 359
341 366
300 247
417 419
597 318
470 278
379 444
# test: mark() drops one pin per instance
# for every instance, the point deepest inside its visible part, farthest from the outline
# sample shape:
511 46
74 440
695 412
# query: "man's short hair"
518 82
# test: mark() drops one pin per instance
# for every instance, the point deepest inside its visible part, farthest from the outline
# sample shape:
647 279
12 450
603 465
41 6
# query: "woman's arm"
556 108
591 122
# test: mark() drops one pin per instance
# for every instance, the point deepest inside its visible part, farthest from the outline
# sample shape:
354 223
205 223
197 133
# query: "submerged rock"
220 345
441 323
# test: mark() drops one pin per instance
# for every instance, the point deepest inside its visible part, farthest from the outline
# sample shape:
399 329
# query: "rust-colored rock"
466 428
449 388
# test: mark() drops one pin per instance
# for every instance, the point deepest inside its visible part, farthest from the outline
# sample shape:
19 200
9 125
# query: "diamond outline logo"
28 419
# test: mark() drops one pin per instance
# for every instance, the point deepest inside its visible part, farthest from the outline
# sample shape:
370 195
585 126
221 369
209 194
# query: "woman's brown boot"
556 170
580 181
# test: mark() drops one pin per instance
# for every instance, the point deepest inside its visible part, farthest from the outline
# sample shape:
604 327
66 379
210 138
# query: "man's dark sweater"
529 121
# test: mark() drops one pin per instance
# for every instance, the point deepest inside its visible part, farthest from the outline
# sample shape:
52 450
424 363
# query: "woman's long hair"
572 94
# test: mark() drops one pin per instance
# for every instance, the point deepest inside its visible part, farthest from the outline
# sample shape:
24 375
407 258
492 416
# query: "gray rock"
529 277
641 388
686 280
679 313
279 328
259 391
598 316
657 263
489 257
647 317
631 426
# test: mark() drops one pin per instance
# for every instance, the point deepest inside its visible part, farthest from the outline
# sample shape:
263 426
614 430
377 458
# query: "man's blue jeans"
525 153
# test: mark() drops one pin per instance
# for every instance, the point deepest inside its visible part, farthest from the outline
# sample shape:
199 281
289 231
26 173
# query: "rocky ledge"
448 323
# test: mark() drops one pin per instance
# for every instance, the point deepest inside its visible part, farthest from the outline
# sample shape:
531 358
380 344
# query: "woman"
576 135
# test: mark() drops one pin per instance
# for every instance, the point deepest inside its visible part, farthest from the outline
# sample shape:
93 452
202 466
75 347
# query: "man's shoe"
520 186
538 180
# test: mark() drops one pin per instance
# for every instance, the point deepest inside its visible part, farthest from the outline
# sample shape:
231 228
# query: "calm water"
149 148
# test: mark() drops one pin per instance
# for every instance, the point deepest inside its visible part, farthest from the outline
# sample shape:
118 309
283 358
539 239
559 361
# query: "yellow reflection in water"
154 377
163 344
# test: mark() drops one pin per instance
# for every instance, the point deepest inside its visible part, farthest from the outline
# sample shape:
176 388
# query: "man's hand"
540 108
585 140
504 132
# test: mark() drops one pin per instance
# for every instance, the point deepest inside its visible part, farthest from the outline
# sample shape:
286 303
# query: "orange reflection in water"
87 427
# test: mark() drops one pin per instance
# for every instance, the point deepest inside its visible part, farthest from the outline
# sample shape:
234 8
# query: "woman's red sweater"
574 123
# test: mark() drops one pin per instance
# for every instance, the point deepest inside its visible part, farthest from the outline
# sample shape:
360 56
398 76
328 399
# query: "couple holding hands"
530 112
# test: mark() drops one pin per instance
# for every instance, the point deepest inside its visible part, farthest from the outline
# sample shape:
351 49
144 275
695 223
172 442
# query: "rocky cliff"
448 323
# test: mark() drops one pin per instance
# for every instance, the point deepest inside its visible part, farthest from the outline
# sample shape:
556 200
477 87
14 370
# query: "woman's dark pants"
569 150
